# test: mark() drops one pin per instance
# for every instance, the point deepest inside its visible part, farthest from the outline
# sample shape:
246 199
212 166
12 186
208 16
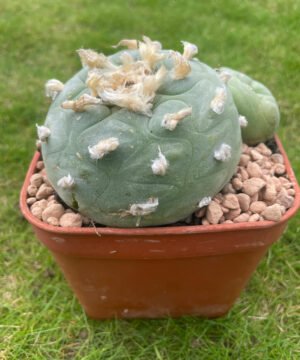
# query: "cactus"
141 138
258 108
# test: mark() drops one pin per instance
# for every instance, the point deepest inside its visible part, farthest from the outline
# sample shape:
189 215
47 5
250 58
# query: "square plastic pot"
160 271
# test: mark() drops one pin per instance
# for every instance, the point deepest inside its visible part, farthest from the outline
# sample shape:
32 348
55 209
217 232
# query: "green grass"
39 317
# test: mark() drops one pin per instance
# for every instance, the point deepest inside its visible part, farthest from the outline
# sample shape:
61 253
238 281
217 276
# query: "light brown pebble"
205 221
277 158
41 203
214 212
284 199
228 222
37 212
53 210
253 185
255 197
36 180
277 183
70 220
32 190
199 213
291 192
255 155
44 191
222 219
254 170
51 197
279 169
224 209
270 192
283 210
218 198
285 182
244 159
257 207
272 213
244 201
40 165
241 218
69 211
232 214
254 217
228 189
267 165
263 149
230 201
237 183
244 174
53 221
245 149
30 201
51 202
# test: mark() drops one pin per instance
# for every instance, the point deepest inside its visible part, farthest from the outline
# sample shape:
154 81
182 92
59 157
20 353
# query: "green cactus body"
254 101
153 175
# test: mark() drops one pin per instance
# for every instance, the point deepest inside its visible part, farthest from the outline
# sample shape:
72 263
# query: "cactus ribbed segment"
127 169
256 103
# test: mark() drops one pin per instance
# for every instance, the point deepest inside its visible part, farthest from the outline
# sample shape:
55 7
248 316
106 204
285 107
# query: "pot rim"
164 229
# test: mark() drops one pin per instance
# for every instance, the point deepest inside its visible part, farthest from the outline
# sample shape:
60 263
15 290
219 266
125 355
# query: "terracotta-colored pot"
159 271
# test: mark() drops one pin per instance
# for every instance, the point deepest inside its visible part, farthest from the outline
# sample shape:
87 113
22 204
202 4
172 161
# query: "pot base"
156 272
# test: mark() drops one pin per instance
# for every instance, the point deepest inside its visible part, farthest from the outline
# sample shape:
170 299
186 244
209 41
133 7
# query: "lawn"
39 317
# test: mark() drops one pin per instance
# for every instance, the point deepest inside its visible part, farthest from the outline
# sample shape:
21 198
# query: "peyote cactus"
256 103
141 138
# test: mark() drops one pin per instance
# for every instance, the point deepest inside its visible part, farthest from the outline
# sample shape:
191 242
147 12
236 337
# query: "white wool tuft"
204 202
170 121
43 132
160 164
103 148
66 182
225 76
189 50
142 209
243 121
223 153
53 87
82 103
218 102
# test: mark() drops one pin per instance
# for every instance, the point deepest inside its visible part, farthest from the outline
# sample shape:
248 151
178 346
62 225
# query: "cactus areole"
141 137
